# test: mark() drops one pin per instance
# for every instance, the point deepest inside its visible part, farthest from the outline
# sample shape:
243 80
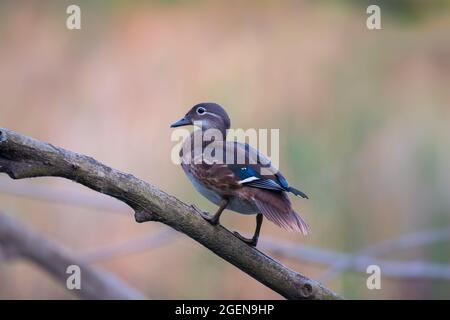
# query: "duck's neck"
216 133
207 137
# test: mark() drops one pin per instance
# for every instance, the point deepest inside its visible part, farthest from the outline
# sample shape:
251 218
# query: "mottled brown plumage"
251 187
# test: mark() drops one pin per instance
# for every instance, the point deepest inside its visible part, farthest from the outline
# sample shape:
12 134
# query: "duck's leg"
254 240
216 217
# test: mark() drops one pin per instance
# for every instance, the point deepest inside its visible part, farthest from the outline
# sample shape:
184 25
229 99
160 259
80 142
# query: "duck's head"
210 115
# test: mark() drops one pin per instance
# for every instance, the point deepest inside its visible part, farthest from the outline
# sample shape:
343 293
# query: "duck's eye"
201 110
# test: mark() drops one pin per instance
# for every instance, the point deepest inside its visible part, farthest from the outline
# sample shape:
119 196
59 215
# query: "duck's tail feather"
281 213
298 193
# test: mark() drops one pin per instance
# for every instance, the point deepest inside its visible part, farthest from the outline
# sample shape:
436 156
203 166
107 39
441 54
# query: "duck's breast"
208 193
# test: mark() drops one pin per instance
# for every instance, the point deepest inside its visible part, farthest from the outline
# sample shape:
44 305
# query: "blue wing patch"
249 177
265 184
247 172
282 180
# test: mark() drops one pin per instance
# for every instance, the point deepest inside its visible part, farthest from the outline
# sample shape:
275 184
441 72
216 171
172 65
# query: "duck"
251 186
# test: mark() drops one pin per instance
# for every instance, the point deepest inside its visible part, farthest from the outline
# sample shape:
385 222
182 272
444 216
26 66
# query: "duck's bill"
181 122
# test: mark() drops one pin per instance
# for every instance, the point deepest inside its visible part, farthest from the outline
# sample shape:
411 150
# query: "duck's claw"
251 242
205 215
211 219
193 206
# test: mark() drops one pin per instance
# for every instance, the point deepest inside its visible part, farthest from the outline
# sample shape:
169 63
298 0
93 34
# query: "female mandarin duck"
241 187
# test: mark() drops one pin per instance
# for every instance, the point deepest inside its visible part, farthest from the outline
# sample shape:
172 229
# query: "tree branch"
24 157
336 262
19 241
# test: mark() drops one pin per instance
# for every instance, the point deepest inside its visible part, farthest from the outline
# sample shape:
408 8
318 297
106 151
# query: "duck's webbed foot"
213 219
251 242
205 214
254 240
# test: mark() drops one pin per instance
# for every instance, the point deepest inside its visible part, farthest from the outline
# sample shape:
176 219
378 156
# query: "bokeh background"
363 116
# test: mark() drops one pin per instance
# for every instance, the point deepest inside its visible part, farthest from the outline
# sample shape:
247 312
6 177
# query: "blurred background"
363 117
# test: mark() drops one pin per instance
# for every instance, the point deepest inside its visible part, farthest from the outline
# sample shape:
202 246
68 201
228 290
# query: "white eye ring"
201 111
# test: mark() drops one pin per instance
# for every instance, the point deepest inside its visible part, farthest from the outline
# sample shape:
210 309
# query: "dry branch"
18 241
336 262
396 269
24 157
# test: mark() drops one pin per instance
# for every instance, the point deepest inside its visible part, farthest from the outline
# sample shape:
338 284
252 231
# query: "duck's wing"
257 171
266 185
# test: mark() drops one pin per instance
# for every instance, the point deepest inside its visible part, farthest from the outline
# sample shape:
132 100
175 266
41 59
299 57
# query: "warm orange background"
363 118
